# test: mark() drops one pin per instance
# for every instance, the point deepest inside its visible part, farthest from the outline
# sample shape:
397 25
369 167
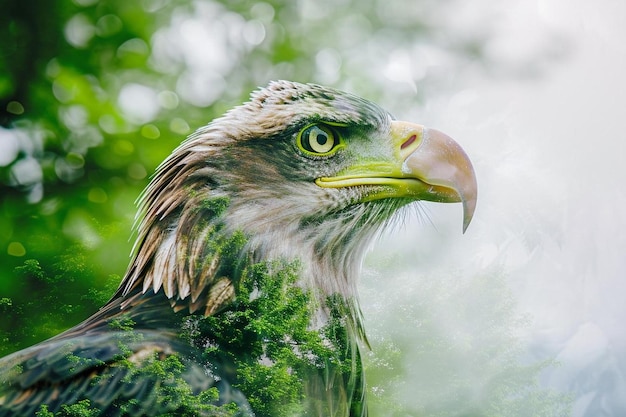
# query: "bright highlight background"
550 155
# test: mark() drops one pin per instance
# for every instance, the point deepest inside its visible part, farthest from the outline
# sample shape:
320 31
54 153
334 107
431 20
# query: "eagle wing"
119 373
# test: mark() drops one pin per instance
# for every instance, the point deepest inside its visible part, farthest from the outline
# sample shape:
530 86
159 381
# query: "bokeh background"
524 315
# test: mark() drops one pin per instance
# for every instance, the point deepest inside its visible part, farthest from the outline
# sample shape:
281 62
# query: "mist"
530 300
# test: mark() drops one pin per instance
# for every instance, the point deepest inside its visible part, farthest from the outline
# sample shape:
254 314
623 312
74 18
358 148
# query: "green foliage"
214 206
122 323
43 412
33 313
264 344
267 338
80 409
172 392
80 362
160 371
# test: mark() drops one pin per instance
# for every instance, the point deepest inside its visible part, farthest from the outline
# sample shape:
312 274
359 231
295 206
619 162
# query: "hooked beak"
439 162
426 165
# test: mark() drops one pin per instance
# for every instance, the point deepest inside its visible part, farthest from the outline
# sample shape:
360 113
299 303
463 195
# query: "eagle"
240 298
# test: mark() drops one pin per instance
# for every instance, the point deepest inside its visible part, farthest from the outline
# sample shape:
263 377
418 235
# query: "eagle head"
306 172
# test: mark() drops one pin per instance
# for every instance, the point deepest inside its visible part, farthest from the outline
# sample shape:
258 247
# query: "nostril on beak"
408 142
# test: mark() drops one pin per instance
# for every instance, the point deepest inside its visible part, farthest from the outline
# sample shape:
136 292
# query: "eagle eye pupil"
318 139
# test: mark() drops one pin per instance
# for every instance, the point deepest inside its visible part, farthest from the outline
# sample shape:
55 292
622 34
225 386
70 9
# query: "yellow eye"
319 140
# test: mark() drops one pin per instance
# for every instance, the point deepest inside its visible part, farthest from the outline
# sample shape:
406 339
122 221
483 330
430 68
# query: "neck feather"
196 236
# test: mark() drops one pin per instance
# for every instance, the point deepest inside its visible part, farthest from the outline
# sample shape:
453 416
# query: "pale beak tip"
468 212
